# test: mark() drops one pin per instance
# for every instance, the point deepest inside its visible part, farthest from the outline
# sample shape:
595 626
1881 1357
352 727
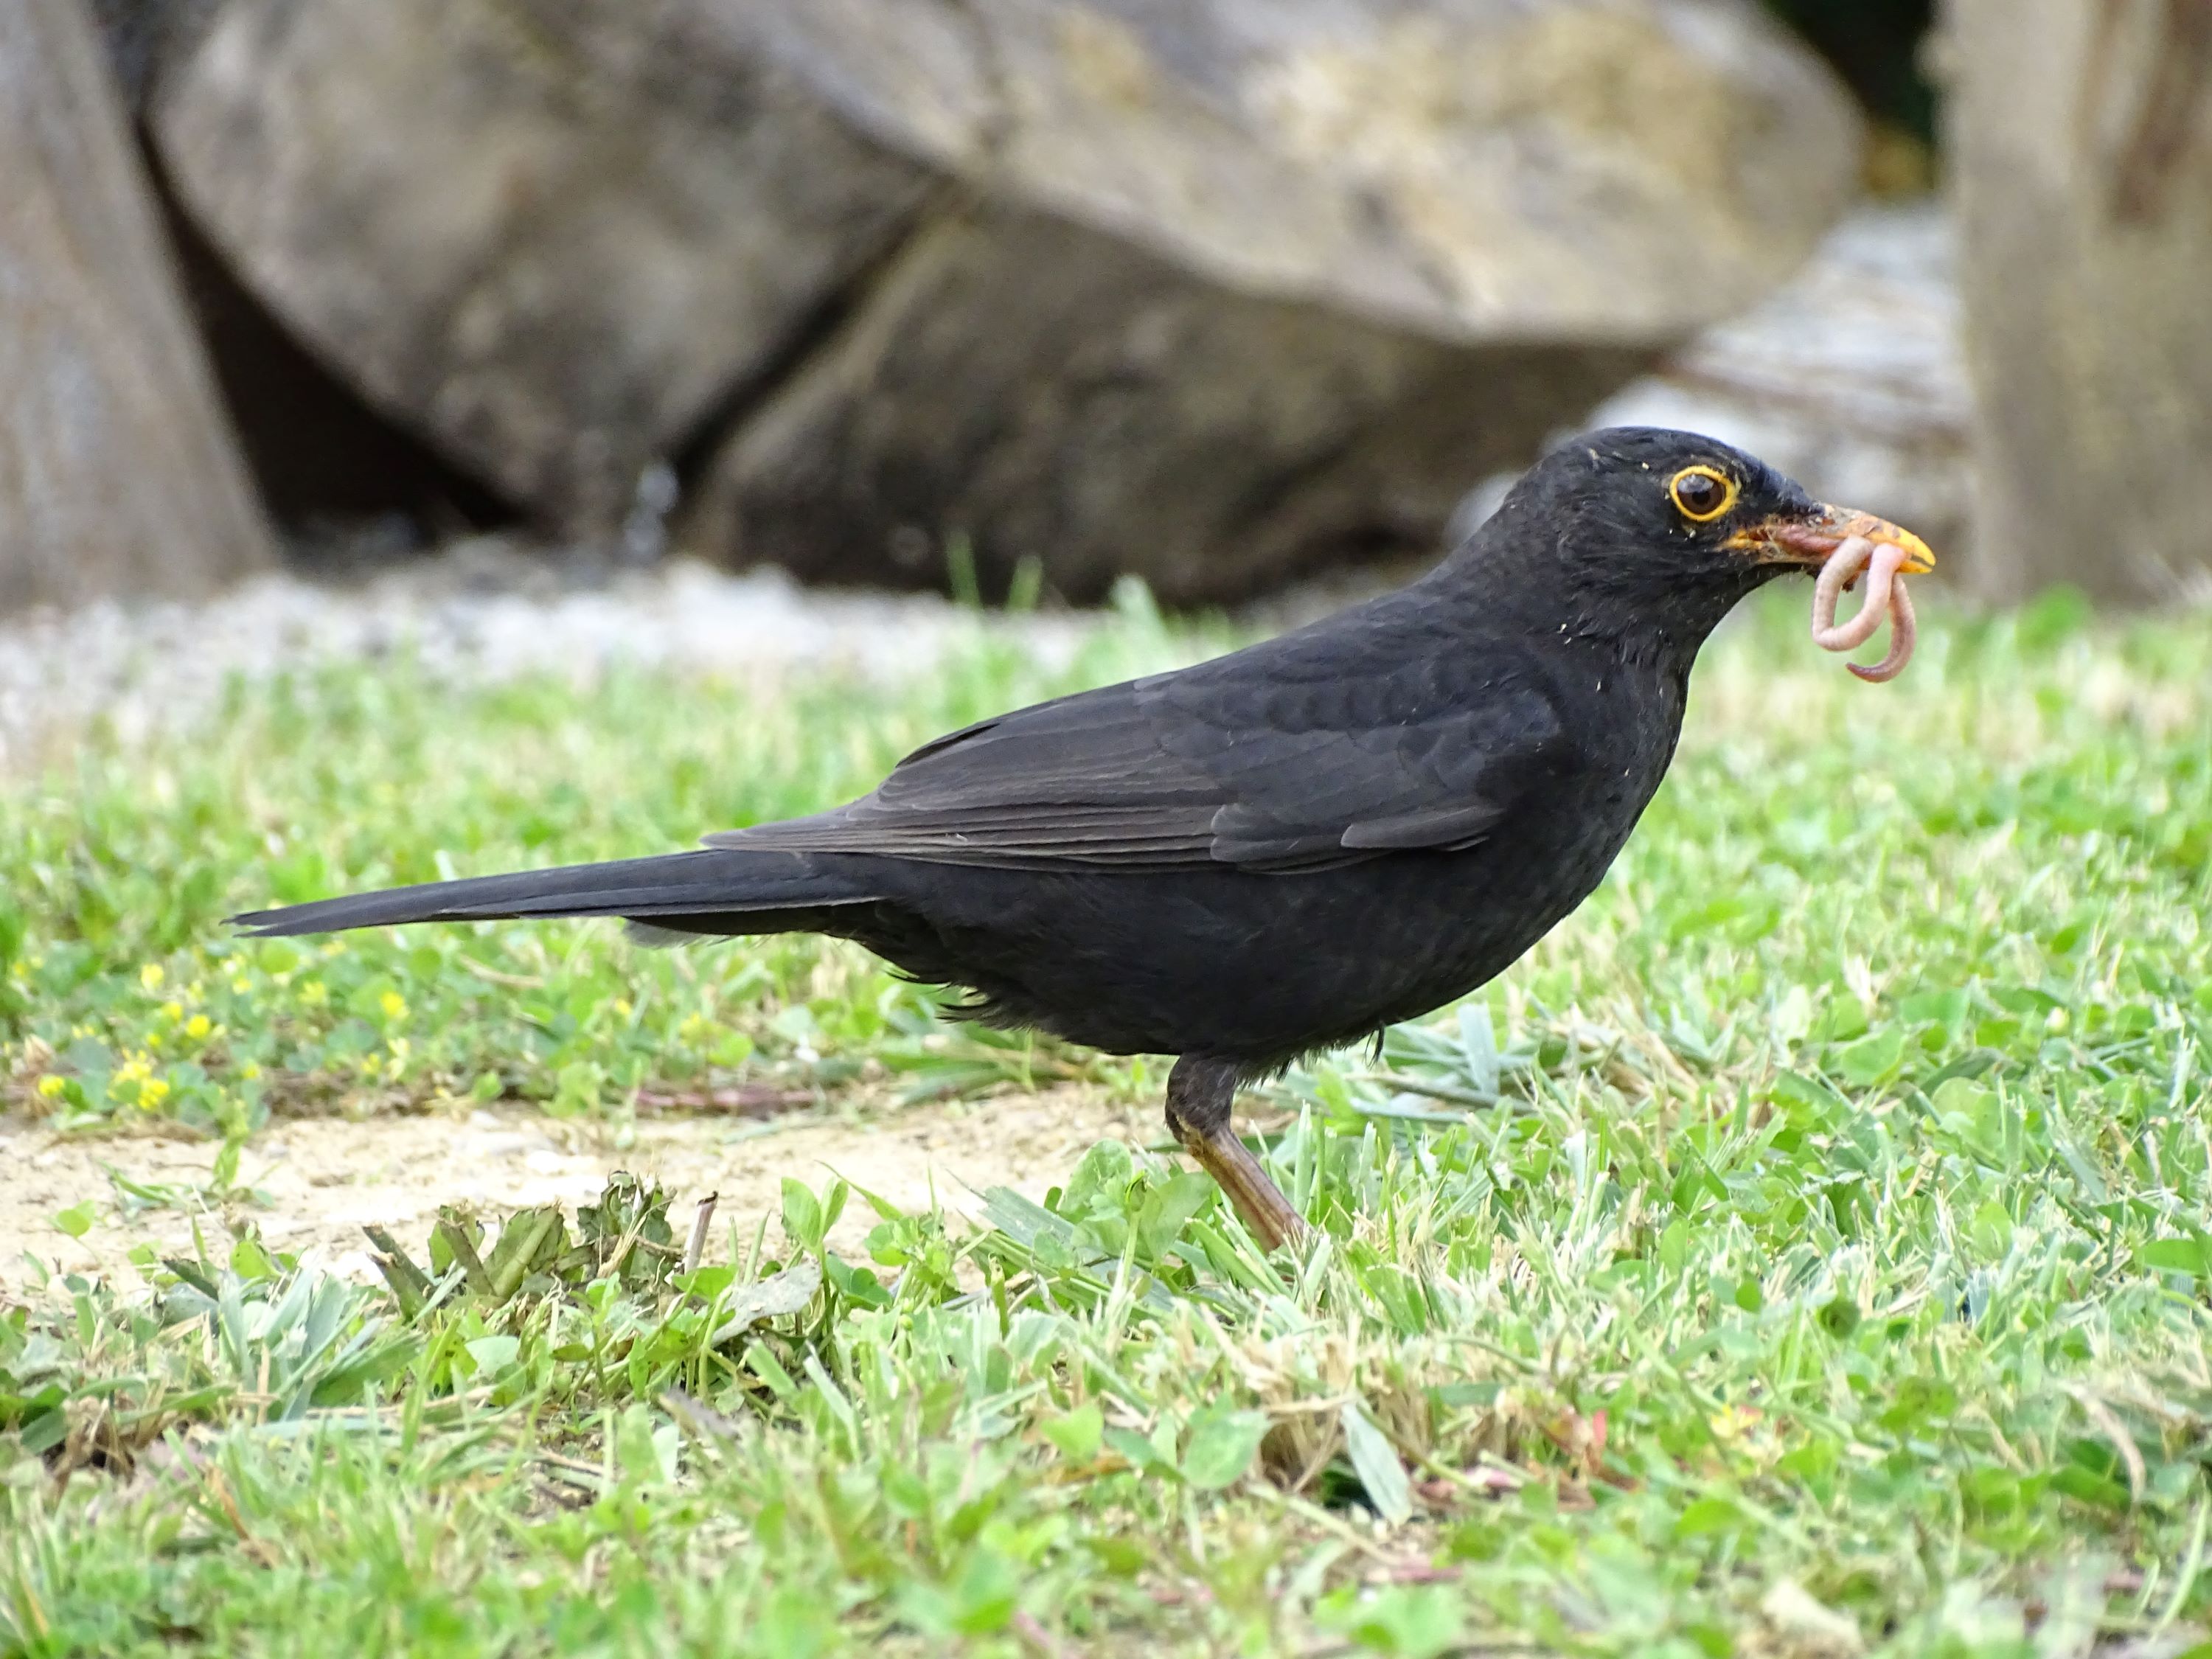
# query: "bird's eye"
1701 493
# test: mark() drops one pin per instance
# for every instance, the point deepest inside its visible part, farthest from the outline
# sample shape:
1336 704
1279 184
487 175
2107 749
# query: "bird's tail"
709 891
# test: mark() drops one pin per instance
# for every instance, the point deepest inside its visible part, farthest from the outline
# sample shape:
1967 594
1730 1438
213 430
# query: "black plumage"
1283 849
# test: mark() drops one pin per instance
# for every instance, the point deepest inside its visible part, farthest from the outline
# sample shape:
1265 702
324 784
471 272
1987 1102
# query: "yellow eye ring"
1701 493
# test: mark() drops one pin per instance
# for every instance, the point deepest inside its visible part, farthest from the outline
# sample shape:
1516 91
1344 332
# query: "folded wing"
1276 761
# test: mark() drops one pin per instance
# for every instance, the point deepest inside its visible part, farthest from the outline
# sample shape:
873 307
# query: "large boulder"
1207 290
551 236
118 475
1473 170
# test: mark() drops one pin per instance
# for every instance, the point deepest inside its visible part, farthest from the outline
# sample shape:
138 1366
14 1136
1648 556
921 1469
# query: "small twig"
1504 1477
216 1487
754 1100
695 1247
1316 1515
561 1460
702 1421
2102 1418
1036 1637
592 1478
512 982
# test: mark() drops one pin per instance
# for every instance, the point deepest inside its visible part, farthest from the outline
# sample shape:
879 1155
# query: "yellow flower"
242 985
395 1006
173 1012
1734 1422
250 1070
137 1075
52 1085
198 1027
150 976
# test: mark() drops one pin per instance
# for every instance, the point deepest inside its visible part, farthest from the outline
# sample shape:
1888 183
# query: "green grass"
1805 1251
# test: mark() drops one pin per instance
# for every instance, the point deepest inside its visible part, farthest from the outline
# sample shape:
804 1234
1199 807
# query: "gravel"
482 611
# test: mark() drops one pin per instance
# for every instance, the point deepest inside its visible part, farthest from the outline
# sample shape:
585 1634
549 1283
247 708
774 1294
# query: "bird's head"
1639 529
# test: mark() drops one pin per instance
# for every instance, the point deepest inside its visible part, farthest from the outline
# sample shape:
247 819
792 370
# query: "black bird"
1283 849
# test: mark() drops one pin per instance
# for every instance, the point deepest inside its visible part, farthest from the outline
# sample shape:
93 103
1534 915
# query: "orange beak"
1795 540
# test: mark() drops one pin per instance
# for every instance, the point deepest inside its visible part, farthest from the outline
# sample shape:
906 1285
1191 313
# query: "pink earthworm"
1885 596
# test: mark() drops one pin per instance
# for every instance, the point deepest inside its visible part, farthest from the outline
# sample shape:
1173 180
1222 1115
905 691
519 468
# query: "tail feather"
726 886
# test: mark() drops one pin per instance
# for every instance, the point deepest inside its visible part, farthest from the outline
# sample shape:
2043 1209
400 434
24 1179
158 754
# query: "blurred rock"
1210 289
1851 378
550 237
118 472
324 460
142 35
1466 169
1042 390
2085 245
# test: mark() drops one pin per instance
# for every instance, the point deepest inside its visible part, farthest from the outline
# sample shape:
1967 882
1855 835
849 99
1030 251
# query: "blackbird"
1281 850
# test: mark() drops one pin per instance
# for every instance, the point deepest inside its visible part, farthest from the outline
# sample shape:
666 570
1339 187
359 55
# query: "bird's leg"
1200 1095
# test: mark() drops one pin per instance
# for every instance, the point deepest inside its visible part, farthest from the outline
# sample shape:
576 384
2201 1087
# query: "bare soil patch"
323 1180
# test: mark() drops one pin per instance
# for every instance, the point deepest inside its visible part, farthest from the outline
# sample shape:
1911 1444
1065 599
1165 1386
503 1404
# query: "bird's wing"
1273 769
